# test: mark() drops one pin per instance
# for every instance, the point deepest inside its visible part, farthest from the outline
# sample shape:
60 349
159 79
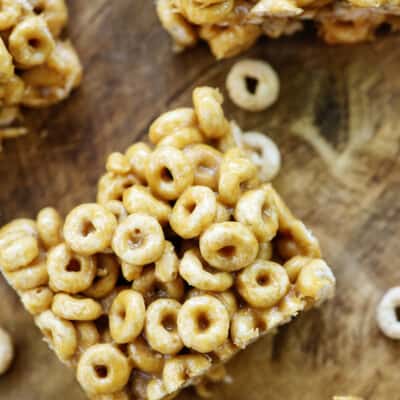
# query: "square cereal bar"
185 259
232 26
38 67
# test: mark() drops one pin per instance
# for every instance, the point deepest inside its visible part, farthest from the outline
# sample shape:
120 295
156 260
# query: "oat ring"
386 313
266 85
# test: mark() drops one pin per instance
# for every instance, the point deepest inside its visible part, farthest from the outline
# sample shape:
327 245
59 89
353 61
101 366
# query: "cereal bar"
186 258
232 26
37 67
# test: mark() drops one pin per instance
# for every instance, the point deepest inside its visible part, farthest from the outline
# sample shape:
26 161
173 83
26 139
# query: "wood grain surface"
337 125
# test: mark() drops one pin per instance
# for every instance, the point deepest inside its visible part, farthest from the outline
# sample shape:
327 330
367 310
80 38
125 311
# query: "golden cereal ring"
37 300
112 187
117 208
155 390
54 12
237 173
76 308
169 172
270 319
11 94
145 358
10 11
69 272
291 305
203 323
228 246
89 228
59 333
6 62
151 288
183 138
53 81
207 104
203 12
17 250
244 328
118 163
6 351
264 153
30 42
138 199
127 315
193 212
161 326
106 303
337 31
295 265
103 369
139 240
30 277
297 240
229 41
206 161
281 8
131 271
166 267
194 273
294 238
227 298
88 335
386 313
107 272
49 224
265 251
175 24
225 352
179 369
171 122
263 283
23 226
266 89
137 155
224 213
256 209
316 281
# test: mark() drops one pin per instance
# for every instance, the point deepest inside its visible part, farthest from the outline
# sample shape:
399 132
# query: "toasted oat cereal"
232 26
253 85
386 313
38 67
187 257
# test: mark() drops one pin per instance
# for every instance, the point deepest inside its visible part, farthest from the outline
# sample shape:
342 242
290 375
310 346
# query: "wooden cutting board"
338 127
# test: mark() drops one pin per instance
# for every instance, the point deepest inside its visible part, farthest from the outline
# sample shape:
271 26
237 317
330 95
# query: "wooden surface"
337 124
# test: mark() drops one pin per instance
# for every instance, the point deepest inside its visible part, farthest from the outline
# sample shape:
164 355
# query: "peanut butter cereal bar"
186 258
37 67
232 26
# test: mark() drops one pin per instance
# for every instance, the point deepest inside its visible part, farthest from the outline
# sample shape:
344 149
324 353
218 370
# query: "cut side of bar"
185 259
232 26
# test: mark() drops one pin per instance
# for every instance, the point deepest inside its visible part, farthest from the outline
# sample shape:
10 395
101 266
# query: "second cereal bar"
186 258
